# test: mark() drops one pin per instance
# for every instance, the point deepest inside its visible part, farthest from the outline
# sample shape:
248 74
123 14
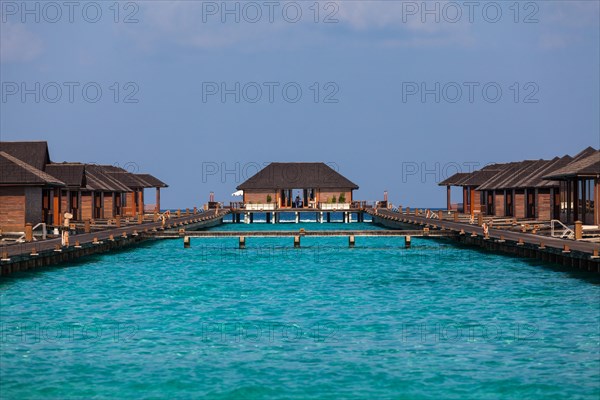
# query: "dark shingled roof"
297 176
33 153
126 178
73 174
106 178
152 181
586 163
479 177
508 175
455 179
535 177
14 171
98 178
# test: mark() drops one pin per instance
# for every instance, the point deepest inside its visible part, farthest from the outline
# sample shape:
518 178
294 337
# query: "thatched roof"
297 176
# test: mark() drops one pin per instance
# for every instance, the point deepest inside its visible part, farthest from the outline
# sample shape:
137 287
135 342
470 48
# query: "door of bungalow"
490 203
97 205
46 206
117 206
74 205
508 203
286 198
555 204
530 204
309 198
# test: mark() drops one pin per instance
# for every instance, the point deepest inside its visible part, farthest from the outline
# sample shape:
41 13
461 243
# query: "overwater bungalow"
133 201
579 183
469 182
564 188
90 192
35 190
519 190
297 185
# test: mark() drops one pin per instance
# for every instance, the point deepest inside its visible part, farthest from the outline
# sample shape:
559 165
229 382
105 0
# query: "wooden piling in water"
242 242
351 241
186 242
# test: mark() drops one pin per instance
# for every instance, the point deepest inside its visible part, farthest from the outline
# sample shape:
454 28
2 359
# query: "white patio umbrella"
238 193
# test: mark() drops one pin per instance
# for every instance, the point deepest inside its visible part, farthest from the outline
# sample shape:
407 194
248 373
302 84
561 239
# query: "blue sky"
370 62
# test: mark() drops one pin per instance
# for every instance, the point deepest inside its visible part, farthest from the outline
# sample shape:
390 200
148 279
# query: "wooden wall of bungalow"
285 197
22 189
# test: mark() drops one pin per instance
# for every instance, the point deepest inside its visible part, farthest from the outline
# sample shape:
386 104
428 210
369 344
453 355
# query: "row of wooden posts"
58 248
242 241
87 224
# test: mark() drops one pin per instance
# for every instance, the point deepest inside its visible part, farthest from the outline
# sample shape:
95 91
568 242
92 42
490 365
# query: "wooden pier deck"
307 233
496 234
574 253
191 221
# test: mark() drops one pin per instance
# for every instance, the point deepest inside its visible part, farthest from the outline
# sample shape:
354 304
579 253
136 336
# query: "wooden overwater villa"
34 190
566 189
298 188
510 207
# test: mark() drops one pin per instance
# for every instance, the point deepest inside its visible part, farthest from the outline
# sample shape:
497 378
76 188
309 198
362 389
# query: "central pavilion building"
280 183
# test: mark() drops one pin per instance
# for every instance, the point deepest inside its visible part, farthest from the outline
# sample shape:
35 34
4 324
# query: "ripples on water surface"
324 321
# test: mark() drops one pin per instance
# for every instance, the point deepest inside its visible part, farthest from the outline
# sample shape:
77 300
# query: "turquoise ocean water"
377 321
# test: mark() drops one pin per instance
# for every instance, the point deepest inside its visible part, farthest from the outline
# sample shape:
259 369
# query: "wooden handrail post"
29 232
578 230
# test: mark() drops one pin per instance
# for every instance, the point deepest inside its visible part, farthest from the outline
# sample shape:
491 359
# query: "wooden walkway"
319 233
189 221
496 234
